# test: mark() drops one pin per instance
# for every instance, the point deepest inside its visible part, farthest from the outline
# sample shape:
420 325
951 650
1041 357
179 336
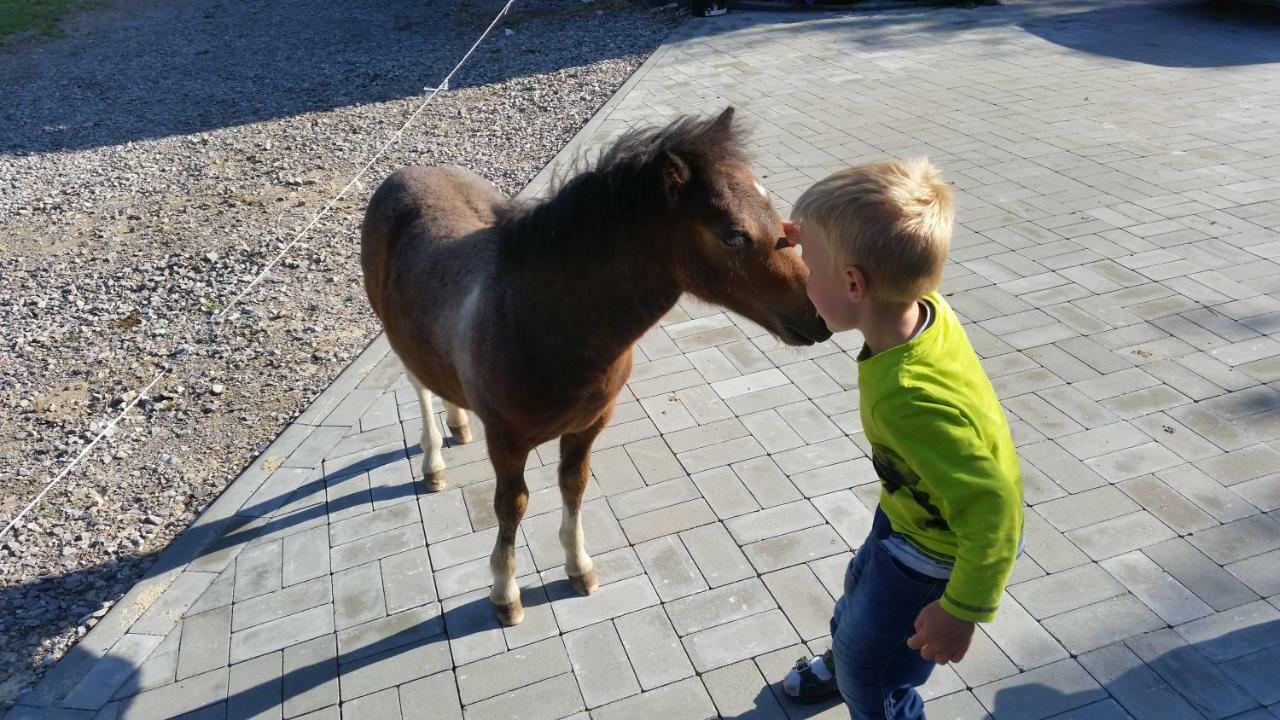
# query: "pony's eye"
735 239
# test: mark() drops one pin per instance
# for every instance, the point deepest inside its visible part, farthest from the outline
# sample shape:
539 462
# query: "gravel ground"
150 163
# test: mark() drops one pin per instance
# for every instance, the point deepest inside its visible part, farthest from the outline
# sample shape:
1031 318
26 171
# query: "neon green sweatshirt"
950 481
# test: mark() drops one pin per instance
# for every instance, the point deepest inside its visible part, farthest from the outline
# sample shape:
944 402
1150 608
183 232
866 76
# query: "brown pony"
526 314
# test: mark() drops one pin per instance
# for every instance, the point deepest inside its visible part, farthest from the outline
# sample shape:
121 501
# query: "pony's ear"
723 124
675 173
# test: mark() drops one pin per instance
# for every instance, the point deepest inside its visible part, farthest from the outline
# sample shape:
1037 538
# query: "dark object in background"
708 8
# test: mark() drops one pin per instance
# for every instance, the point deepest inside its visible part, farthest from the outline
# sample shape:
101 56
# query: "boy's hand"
940 636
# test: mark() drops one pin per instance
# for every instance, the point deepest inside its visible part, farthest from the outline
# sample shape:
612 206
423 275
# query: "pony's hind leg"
458 422
510 498
575 470
432 441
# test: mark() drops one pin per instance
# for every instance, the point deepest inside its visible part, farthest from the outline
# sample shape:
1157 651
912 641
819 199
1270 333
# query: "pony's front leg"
510 498
575 471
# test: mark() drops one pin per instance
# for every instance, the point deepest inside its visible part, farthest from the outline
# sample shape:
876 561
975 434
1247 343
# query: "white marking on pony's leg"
432 440
577 564
505 593
458 421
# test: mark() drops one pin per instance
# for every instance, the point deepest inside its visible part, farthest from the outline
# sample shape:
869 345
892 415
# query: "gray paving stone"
739 691
712 433
306 556
1235 632
802 599
1120 535
809 457
407 580
1094 626
671 569
1102 440
393 667
767 483
600 664
1079 407
1207 493
382 705
1176 436
956 706
653 497
716 555
726 453
376 547
1040 693
474 632
794 548
220 592
722 605
281 633
431 698
655 653
614 472
357 595
1142 692
685 700
409 627
272 606
1048 547
1135 461
738 640
773 522
1021 638
511 670
310 675
1061 466
1260 572
1171 508
551 699
1086 508
1202 576
1240 539
771 431
725 493
984 663
1263 493
1067 590
109 673
205 642
608 602
255 690
1198 680
1256 673
258 570
1240 465
369 524
181 697
654 460
1170 599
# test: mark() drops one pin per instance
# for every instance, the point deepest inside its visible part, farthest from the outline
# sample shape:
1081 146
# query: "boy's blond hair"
891 219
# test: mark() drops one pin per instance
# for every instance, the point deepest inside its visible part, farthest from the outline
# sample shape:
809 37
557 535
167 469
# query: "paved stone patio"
1117 266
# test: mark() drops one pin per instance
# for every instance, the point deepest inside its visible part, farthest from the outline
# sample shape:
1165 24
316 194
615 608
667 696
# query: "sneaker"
812 680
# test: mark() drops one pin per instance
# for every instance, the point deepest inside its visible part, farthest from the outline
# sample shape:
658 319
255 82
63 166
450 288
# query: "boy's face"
834 291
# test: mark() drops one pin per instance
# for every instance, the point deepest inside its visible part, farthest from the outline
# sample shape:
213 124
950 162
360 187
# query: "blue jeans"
875 670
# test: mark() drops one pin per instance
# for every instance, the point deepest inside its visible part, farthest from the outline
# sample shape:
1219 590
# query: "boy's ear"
855 283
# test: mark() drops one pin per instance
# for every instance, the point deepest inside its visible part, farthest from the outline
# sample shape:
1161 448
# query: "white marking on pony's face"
760 189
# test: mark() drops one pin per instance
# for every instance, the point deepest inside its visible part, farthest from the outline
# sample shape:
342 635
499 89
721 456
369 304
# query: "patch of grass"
38 18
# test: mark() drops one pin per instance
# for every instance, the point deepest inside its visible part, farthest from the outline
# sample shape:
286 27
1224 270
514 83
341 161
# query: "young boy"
949 524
